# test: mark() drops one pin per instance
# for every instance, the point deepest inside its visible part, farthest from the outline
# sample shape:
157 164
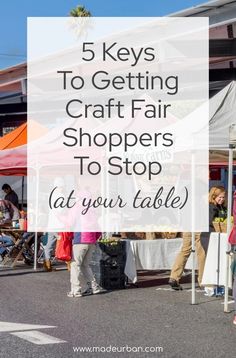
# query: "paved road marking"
37 337
11 327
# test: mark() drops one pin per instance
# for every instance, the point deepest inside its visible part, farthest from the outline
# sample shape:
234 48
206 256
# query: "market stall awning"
222 109
13 149
15 138
13 161
18 137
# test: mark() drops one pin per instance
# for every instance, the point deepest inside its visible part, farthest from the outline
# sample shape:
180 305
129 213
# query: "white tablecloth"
161 255
151 255
217 242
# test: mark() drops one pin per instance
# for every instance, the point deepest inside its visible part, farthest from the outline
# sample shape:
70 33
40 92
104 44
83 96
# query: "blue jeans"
50 246
5 240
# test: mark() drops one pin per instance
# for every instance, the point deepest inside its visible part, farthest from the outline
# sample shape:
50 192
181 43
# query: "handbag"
64 246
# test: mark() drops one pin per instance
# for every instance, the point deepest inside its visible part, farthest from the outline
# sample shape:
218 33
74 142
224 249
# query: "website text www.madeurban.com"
118 349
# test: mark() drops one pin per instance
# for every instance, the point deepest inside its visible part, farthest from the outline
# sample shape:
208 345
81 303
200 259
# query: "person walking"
49 248
182 258
82 280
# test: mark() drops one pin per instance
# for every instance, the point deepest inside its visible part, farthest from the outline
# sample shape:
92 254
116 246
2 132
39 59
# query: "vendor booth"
222 139
13 162
160 254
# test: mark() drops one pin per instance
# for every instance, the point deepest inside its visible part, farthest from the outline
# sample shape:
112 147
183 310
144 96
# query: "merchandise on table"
151 235
220 224
169 235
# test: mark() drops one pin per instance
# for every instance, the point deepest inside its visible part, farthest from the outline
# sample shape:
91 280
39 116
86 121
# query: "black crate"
107 270
113 250
114 283
112 271
111 283
116 261
109 254
111 261
109 277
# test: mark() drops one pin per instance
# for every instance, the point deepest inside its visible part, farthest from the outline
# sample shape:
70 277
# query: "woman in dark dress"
217 209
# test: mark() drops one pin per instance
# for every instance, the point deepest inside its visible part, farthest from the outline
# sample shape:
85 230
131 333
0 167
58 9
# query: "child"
82 279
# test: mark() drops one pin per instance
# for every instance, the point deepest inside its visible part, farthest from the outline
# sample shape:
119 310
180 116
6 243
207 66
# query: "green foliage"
222 220
109 242
80 11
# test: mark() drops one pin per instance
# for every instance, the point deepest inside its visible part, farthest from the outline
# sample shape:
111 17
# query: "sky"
14 13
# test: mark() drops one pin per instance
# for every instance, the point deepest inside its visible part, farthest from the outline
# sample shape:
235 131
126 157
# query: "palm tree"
80 11
80 27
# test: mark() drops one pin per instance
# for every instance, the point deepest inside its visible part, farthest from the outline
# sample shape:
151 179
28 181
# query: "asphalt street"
134 317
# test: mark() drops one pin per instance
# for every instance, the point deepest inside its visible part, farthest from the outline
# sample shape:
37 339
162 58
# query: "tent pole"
36 221
22 193
35 250
229 210
193 301
193 270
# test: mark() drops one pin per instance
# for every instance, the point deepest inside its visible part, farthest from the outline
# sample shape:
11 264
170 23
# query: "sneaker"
74 294
98 289
70 294
175 285
234 321
88 292
209 291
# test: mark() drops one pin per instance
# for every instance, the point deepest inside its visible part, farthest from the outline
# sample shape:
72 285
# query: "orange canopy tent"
15 138
13 149
18 136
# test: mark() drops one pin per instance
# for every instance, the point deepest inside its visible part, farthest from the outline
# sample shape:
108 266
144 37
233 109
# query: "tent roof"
13 161
15 138
13 149
18 137
222 114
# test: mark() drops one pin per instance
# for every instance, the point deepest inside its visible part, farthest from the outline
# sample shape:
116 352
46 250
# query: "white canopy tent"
222 138
222 111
